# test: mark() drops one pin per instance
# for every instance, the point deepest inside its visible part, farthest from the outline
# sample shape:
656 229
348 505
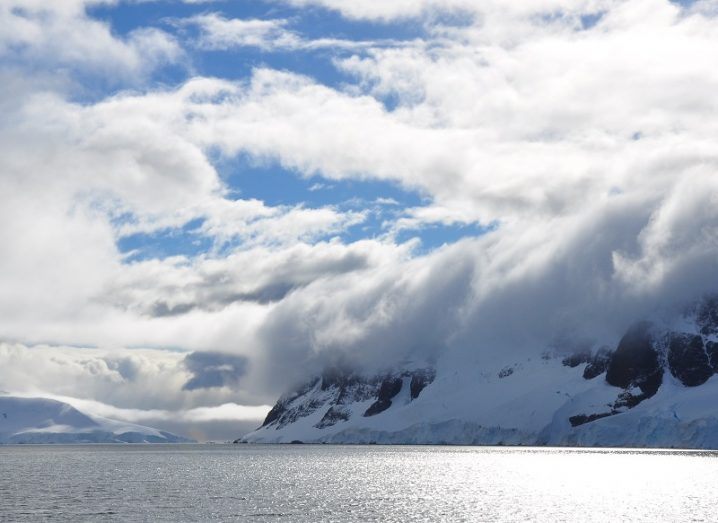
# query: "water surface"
353 483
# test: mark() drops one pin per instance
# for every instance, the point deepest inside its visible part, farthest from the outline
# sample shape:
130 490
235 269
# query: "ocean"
353 483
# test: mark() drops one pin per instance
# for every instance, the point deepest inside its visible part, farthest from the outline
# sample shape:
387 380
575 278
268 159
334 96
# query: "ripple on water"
352 483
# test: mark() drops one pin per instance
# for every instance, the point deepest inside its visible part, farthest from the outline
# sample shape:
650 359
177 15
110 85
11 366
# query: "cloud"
256 276
255 223
590 148
134 385
214 369
134 378
217 33
387 11
155 174
379 10
43 35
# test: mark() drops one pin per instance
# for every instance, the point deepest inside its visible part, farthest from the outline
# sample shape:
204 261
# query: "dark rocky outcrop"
574 360
280 410
581 419
598 364
338 387
274 414
688 360
419 380
389 388
627 400
712 351
347 385
506 372
635 363
337 377
334 415
707 316
636 367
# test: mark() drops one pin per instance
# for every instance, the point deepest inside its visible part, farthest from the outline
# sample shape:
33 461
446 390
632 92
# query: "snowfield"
657 388
42 420
532 406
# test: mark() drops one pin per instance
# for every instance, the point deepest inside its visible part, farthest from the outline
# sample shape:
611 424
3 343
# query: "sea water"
353 483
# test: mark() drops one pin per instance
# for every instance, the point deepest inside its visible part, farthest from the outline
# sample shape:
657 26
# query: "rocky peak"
390 387
707 316
338 388
636 363
646 351
636 367
688 359
598 363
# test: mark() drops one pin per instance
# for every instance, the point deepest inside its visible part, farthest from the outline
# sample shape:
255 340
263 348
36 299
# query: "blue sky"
250 179
265 179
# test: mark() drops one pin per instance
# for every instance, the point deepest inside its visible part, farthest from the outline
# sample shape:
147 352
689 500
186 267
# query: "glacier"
42 420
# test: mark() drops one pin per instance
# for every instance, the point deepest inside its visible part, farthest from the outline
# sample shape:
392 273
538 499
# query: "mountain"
656 387
41 420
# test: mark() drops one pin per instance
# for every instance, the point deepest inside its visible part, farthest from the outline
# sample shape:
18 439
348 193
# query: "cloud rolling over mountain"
194 195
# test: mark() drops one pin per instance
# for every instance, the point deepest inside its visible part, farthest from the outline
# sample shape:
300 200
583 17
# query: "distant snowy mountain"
41 420
657 388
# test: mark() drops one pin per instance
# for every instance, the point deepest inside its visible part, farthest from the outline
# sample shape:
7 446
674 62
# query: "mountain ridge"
656 388
42 420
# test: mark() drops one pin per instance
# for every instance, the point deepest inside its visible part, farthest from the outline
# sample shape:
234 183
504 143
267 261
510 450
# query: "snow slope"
42 420
656 388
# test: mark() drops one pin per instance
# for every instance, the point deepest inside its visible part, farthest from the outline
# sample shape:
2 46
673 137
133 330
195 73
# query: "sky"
205 203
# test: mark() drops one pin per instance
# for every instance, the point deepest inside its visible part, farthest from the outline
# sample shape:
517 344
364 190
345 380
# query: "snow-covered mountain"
42 420
656 387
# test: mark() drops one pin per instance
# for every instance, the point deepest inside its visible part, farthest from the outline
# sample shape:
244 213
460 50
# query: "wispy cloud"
219 33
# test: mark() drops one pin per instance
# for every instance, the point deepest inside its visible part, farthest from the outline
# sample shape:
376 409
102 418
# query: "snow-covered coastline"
42 420
677 416
657 387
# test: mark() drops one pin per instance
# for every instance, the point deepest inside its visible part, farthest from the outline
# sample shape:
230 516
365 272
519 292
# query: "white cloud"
137 386
592 147
254 223
387 10
43 35
219 33
391 10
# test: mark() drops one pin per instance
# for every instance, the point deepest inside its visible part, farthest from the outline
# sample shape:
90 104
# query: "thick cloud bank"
578 136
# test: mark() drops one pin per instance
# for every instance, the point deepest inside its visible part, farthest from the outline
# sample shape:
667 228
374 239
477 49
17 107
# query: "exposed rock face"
707 316
635 365
688 360
712 351
598 364
634 369
581 419
334 415
635 362
337 388
390 387
574 360
506 372
282 415
419 380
